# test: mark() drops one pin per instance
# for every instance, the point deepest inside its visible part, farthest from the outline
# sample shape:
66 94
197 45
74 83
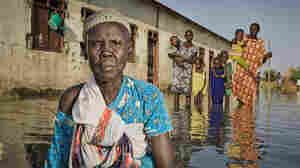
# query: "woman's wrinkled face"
108 48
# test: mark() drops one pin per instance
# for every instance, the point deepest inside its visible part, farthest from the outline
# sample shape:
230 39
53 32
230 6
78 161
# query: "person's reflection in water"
216 133
243 151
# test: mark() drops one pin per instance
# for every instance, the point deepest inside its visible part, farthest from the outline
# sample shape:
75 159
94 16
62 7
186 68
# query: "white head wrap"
105 15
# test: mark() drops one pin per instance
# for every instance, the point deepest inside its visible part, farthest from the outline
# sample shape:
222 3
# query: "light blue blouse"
137 101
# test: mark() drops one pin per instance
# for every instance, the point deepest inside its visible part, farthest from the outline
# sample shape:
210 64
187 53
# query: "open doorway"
152 73
211 57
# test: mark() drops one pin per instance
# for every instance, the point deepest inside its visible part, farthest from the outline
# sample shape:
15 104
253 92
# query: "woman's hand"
197 101
228 85
163 154
245 44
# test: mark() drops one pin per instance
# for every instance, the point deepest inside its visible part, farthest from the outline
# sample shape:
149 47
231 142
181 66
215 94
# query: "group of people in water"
233 73
115 121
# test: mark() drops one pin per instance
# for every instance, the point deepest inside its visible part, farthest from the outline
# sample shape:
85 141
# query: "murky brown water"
270 140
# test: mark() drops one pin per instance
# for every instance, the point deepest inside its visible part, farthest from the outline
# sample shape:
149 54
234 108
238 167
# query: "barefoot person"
110 121
182 69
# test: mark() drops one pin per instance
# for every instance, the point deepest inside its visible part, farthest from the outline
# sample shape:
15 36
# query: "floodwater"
269 139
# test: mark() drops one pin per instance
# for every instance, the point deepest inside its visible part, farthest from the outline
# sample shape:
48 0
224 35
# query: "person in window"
112 120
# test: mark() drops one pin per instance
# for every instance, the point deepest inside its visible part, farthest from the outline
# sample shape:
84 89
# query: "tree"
273 74
295 75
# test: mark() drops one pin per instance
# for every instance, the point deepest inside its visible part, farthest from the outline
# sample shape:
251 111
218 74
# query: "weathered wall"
146 11
144 14
20 67
136 9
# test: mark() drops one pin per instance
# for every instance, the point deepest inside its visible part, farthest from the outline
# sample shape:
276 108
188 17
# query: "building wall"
144 14
21 67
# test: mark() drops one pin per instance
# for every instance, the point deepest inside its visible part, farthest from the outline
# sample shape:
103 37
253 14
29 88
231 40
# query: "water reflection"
267 138
244 143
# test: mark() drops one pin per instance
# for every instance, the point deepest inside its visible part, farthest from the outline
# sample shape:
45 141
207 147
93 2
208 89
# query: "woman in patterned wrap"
244 82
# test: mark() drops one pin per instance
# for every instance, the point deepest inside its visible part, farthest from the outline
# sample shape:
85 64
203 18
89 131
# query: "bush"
295 75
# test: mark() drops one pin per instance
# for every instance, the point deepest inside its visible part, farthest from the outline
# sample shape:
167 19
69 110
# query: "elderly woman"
112 120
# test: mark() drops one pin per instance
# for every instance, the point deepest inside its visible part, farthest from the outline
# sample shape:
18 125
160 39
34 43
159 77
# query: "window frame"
41 30
133 37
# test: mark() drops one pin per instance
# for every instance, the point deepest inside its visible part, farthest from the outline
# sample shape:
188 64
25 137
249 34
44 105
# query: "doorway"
152 73
211 57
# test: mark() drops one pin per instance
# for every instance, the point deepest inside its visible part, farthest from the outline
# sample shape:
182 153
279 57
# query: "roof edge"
188 19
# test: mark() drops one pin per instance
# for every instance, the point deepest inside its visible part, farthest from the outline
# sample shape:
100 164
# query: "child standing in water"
198 83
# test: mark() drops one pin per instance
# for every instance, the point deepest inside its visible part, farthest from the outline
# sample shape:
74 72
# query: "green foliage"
273 74
295 74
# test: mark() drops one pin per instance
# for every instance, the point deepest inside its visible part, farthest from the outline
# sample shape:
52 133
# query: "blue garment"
145 104
216 116
217 87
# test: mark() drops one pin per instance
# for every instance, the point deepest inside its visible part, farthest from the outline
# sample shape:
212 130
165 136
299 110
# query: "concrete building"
34 56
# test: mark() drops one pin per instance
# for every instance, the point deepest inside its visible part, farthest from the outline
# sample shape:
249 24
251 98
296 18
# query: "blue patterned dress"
137 102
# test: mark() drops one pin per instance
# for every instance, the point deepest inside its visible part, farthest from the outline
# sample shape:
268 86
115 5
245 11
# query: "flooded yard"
270 139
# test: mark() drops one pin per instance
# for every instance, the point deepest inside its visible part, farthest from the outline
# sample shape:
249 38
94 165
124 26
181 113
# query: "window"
85 13
152 75
211 54
43 37
132 56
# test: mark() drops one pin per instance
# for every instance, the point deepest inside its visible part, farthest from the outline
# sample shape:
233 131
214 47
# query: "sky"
279 20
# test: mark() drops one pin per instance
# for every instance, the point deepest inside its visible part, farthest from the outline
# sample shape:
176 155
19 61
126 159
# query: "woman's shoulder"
146 91
68 98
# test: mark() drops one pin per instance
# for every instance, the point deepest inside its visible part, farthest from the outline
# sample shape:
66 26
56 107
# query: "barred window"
43 37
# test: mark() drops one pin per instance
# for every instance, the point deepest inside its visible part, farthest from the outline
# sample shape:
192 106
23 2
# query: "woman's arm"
162 151
157 127
58 154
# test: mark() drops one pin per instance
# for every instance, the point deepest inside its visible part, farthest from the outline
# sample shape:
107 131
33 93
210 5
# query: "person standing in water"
217 90
235 57
182 69
244 82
